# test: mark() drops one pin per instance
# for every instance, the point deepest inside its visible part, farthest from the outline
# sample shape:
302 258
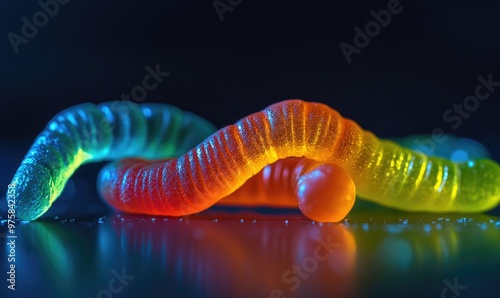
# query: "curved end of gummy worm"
89 133
30 192
326 192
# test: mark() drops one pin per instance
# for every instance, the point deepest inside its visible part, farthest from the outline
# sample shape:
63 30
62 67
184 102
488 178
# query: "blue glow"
394 229
399 251
147 111
459 156
365 227
445 177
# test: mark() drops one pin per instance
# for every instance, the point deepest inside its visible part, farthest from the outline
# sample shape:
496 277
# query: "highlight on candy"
292 154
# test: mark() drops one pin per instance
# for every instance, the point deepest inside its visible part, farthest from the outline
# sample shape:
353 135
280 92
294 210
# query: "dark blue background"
427 59
424 61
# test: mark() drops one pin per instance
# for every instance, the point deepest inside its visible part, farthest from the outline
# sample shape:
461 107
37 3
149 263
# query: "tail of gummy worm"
413 181
382 171
471 158
88 133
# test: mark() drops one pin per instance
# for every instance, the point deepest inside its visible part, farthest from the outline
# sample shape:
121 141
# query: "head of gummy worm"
32 190
326 194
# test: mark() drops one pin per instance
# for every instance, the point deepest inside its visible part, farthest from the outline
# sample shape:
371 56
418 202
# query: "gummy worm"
323 191
90 133
228 158
382 171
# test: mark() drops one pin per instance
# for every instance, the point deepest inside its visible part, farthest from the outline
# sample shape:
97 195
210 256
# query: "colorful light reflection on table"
243 254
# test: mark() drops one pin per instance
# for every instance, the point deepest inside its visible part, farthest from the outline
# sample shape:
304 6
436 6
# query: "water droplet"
165 219
286 221
216 220
242 221
153 219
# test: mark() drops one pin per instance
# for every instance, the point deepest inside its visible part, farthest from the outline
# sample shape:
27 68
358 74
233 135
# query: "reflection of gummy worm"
426 241
382 171
208 253
87 133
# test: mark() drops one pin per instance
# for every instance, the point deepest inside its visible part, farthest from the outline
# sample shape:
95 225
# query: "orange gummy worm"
323 191
225 161
382 171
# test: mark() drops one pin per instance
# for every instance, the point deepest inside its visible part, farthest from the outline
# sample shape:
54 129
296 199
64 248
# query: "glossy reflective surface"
227 254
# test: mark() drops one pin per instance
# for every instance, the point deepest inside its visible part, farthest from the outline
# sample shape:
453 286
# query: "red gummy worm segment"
228 158
324 192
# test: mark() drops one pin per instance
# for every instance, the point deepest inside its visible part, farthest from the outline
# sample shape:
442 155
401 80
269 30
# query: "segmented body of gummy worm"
322 191
382 171
336 152
87 133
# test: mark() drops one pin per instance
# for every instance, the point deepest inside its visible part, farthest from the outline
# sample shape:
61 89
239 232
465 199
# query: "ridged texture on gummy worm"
88 133
383 171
